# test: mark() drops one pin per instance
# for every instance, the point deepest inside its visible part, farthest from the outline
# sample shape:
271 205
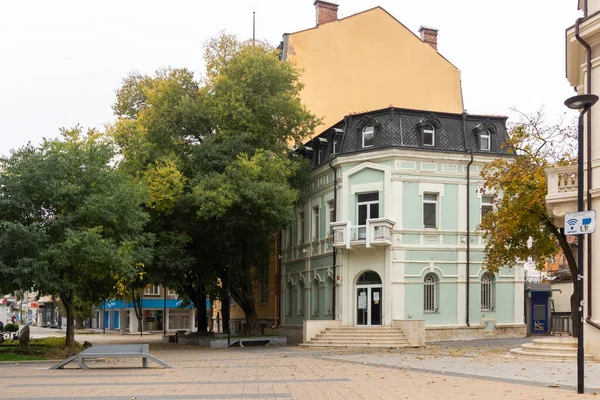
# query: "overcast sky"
61 61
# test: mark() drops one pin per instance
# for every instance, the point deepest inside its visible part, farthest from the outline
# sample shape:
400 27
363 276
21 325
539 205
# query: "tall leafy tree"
70 222
215 156
519 226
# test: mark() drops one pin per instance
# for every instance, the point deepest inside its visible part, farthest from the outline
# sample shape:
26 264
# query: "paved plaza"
478 369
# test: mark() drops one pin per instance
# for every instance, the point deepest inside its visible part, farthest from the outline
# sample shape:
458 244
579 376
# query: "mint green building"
388 236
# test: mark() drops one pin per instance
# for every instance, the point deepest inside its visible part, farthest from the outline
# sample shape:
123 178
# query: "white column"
519 295
387 286
133 321
192 320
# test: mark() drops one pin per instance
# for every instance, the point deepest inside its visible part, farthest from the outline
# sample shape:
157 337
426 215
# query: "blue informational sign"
580 223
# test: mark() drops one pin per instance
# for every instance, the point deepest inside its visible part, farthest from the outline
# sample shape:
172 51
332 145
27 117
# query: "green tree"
215 156
519 226
70 222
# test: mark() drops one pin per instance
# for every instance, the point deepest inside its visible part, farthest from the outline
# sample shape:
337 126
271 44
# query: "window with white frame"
368 136
487 205
331 208
428 135
301 228
316 223
367 207
334 148
487 292
430 294
484 140
152 290
430 207
171 292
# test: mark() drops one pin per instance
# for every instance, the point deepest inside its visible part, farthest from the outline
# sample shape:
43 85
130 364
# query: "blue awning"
146 303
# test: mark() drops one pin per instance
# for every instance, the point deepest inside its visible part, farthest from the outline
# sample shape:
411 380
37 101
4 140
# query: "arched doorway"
369 296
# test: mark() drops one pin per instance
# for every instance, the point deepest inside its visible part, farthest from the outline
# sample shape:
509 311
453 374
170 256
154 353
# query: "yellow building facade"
370 61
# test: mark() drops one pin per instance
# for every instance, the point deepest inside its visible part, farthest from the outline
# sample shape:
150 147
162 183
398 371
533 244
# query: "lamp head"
581 101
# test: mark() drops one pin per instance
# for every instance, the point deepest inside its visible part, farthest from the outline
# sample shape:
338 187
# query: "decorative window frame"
485 129
365 122
430 293
487 292
433 122
437 209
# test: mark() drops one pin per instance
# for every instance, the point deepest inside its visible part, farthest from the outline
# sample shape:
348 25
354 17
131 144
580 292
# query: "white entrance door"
368 305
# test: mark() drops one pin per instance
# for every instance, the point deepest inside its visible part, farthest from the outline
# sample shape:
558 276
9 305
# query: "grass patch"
51 348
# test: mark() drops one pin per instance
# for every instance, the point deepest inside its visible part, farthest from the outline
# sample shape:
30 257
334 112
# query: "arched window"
314 298
428 135
368 136
485 140
487 292
288 299
430 294
300 297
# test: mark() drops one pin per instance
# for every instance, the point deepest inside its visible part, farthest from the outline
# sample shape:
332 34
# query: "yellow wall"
266 311
370 61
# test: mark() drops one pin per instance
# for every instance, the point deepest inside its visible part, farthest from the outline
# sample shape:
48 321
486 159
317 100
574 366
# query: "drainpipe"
588 90
279 258
468 234
468 266
334 257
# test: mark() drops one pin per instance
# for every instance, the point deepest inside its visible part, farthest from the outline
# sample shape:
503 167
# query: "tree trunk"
225 312
137 307
67 300
78 322
198 298
248 304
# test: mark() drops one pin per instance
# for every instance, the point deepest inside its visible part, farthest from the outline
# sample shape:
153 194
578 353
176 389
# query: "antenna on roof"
253 25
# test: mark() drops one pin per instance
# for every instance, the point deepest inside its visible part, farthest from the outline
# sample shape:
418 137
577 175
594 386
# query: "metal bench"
113 351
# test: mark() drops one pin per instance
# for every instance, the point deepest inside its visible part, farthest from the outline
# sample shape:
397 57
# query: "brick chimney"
326 12
429 36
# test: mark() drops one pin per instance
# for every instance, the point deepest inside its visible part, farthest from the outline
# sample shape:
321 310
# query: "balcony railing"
375 232
562 192
562 179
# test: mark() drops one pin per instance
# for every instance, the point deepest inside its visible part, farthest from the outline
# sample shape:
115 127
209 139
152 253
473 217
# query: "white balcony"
562 192
376 232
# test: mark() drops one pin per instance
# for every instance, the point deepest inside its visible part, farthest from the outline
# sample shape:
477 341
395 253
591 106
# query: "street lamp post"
582 103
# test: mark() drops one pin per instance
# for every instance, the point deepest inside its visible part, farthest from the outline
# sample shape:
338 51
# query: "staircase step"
547 348
563 342
548 355
376 345
352 336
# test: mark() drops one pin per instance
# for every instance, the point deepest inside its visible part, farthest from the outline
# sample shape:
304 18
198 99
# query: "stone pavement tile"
252 374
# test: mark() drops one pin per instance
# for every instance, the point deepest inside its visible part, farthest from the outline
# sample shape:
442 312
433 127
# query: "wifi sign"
580 223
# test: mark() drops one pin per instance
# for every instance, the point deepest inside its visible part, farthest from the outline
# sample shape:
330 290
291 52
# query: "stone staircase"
554 348
352 336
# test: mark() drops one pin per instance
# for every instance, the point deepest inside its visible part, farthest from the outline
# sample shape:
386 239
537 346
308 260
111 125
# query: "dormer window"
484 140
428 129
428 135
368 136
484 133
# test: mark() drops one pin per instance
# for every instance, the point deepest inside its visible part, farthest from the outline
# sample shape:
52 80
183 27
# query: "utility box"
538 297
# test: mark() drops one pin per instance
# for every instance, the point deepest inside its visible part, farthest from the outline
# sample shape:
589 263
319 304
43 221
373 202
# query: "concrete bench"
113 351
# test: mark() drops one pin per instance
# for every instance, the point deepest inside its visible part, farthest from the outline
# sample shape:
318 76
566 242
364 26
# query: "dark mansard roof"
410 129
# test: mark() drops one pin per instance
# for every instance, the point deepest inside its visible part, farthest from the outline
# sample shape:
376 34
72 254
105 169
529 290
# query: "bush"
11 328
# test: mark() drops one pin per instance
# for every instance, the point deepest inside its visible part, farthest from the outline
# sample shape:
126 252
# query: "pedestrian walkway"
437 372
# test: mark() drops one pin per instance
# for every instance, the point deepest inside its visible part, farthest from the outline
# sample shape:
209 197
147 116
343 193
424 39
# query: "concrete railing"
561 179
414 330
312 328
